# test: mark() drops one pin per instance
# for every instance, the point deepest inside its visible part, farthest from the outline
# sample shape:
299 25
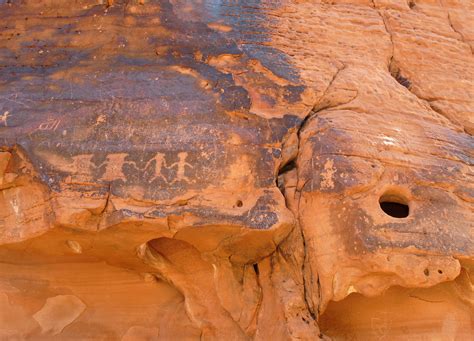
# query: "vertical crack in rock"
397 73
292 164
103 213
257 278
462 38
180 269
317 108
309 304
440 112
107 199
320 295
287 167
255 268
256 313
389 32
458 32
311 114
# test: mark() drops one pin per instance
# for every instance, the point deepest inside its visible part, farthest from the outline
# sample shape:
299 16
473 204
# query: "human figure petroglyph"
181 164
113 167
3 118
82 167
83 163
160 161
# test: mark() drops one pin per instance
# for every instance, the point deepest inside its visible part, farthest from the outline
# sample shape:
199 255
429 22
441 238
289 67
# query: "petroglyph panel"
115 165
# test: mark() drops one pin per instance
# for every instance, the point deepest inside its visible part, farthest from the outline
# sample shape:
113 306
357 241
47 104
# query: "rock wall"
236 170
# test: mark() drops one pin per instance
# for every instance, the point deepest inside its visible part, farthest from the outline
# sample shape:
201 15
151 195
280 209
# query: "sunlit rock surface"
236 170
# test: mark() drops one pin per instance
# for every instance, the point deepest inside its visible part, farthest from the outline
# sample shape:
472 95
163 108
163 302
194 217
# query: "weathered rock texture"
234 170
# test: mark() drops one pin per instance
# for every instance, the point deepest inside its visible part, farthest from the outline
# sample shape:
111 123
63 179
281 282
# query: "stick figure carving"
181 164
3 118
160 161
82 164
81 168
113 167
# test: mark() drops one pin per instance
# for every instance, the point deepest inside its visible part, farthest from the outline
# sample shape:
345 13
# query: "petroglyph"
49 125
181 164
82 164
3 119
82 167
327 177
160 161
113 167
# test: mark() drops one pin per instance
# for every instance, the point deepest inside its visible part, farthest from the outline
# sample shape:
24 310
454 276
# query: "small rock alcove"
394 205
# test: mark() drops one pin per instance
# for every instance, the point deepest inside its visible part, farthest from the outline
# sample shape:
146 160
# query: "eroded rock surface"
236 169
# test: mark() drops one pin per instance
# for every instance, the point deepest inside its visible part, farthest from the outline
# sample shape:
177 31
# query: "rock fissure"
292 165
389 32
425 300
107 202
461 35
397 73
254 319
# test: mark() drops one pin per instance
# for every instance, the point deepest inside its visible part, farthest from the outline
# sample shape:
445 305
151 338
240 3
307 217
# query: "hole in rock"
426 272
394 206
394 209
397 74
403 81
280 179
255 268
289 166
239 203
440 272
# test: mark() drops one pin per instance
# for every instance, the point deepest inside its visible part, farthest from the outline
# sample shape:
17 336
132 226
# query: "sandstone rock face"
236 170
